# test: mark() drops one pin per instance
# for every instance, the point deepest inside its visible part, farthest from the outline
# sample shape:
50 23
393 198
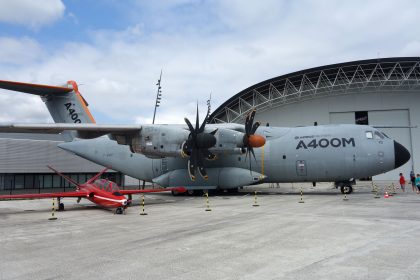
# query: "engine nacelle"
159 141
228 142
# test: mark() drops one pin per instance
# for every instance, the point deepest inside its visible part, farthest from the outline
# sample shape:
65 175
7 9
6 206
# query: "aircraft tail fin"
65 104
70 180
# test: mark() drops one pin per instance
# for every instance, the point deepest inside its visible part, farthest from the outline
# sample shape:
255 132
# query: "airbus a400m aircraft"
171 155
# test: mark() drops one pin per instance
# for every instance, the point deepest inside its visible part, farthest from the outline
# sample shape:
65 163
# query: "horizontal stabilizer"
33 88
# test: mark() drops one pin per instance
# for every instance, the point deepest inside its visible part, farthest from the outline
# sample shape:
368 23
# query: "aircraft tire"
190 192
346 189
175 193
61 207
119 211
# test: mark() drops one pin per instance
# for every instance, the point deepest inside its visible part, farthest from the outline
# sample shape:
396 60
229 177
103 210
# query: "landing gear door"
301 168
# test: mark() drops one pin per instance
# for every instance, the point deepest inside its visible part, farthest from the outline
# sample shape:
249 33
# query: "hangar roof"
372 75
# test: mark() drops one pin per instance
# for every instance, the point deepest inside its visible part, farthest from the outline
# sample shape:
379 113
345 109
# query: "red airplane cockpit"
108 186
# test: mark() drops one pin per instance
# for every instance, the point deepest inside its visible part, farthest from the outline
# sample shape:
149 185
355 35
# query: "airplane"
171 155
102 192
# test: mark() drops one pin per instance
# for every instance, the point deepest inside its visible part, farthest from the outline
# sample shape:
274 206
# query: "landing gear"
119 211
346 189
175 193
60 204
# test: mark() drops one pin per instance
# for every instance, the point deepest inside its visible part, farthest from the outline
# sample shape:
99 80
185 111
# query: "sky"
115 50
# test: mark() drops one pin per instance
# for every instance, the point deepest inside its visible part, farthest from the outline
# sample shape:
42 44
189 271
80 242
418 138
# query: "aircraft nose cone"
402 155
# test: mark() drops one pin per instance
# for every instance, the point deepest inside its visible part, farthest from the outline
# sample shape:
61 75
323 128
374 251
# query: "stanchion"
389 191
376 192
345 197
53 211
373 188
393 189
255 200
142 206
207 201
301 196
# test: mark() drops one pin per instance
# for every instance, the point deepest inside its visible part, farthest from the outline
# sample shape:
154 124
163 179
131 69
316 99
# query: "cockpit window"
378 135
385 135
106 185
369 134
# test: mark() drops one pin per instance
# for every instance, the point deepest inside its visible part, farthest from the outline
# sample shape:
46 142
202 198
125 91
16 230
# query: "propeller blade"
189 125
197 122
214 131
201 168
255 127
192 164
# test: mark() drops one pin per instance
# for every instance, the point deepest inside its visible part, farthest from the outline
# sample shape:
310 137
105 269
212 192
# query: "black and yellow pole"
373 188
142 213
53 211
393 189
207 201
376 192
255 200
301 196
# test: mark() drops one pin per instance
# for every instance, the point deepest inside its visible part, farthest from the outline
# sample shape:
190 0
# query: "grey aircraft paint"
336 153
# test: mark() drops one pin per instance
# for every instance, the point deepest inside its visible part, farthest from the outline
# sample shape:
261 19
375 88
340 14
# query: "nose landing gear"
346 187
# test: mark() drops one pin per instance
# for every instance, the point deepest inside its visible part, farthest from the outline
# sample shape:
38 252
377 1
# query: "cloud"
32 14
19 51
222 48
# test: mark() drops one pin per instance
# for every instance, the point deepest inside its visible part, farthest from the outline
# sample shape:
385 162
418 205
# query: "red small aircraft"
100 191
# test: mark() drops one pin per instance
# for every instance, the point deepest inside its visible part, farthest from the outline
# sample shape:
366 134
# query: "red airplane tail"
70 180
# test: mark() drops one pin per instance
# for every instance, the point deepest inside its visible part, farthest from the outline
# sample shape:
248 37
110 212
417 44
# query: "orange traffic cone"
386 195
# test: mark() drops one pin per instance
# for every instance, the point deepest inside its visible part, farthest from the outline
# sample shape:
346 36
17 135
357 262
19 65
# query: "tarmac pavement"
322 238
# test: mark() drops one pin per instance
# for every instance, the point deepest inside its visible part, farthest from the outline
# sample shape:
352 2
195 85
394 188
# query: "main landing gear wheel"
175 193
346 189
61 207
119 211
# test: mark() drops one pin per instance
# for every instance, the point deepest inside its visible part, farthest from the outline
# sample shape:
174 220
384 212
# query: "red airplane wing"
178 189
44 195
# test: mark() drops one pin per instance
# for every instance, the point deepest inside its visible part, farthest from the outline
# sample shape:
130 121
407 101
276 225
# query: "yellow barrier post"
345 197
142 213
53 211
376 192
255 200
207 201
301 196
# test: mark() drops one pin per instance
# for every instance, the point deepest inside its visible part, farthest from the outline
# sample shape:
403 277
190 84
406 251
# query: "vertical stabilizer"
66 104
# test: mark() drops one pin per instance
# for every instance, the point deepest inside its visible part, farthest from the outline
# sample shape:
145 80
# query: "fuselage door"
301 168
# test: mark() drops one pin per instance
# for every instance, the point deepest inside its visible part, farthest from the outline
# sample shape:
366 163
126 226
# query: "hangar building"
377 92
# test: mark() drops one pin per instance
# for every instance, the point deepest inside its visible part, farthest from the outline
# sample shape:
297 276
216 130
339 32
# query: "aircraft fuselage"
299 154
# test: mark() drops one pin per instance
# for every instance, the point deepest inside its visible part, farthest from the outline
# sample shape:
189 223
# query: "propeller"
197 145
252 140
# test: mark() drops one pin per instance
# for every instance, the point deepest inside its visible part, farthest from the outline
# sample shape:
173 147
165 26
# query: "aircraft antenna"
158 95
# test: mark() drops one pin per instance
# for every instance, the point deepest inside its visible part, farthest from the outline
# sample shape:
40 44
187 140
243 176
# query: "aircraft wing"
95 130
44 195
178 189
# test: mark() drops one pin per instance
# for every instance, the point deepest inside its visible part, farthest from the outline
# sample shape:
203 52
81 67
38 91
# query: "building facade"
24 159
